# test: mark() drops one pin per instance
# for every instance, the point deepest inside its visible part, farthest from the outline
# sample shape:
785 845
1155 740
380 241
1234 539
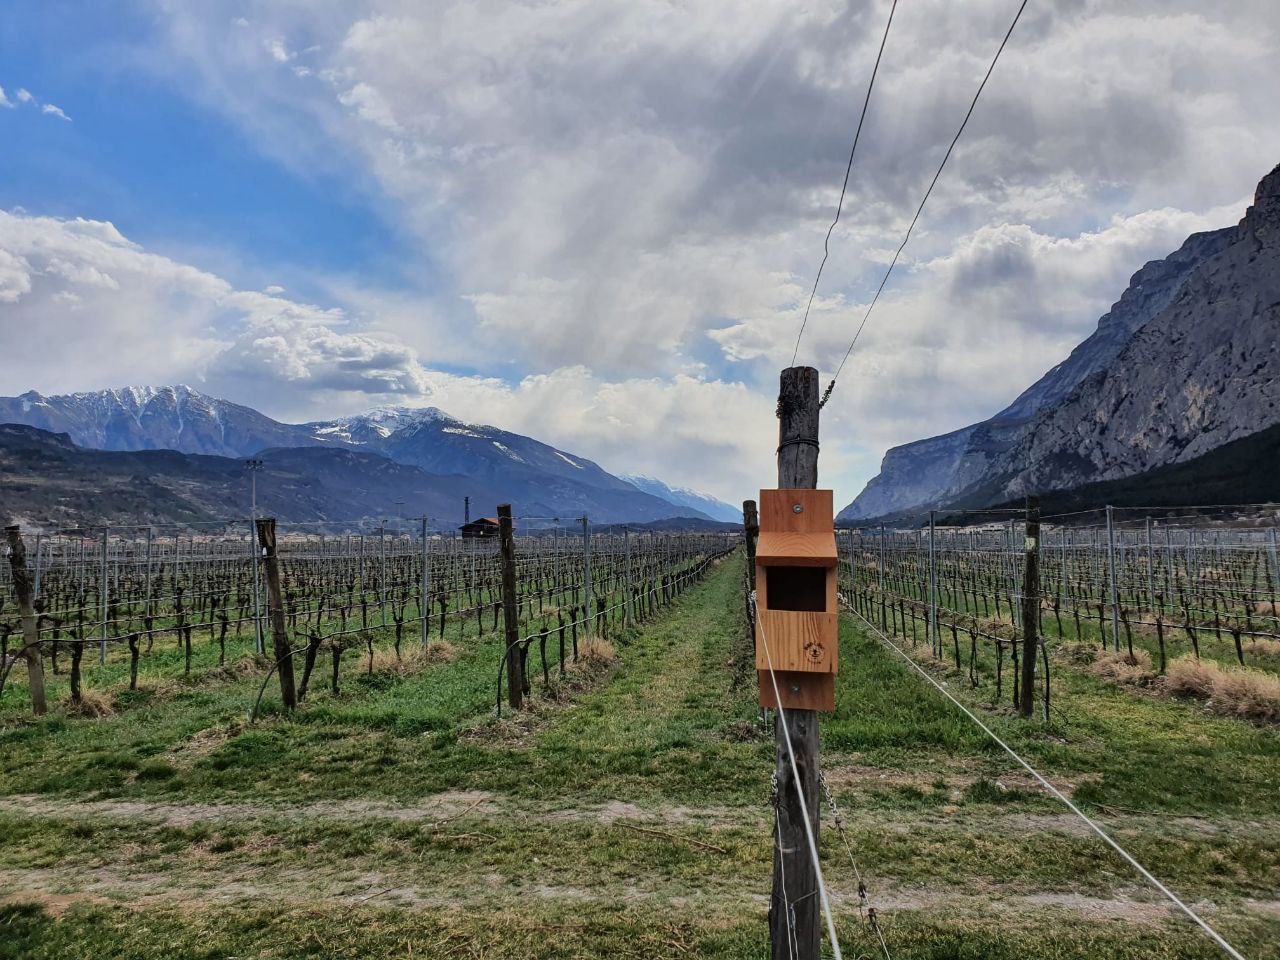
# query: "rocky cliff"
1111 409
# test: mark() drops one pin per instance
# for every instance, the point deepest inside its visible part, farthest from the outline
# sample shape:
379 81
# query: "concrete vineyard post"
30 625
424 587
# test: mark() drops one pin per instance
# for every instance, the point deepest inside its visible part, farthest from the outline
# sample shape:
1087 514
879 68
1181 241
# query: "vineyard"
168 803
1135 594
209 599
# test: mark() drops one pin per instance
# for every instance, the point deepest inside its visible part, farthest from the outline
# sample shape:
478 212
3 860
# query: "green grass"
624 814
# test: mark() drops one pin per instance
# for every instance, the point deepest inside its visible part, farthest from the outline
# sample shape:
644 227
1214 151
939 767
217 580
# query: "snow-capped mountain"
153 418
684 497
537 478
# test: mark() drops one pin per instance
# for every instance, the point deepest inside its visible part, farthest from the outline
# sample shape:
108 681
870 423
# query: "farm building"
480 529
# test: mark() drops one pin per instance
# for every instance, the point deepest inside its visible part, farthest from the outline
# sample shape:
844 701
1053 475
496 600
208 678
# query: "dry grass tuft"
1133 671
441 651
997 627
249 665
1235 692
1264 649
92 705
1189 677
594 652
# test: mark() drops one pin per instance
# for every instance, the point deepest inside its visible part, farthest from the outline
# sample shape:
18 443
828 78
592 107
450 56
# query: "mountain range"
1187 360
420 457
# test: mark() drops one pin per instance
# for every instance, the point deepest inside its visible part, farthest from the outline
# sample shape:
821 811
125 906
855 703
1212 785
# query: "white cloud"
54 111
24 96
5 101
640 189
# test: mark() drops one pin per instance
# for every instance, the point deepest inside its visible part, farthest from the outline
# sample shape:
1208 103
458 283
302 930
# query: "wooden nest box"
796 600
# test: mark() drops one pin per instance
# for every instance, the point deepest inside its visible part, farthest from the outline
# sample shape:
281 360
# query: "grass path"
624 815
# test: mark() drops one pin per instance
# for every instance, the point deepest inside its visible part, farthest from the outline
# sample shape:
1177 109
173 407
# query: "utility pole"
515 663
1030 607
466 510
795 880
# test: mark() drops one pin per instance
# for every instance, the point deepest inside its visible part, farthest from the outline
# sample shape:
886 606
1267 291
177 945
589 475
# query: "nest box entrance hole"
796 588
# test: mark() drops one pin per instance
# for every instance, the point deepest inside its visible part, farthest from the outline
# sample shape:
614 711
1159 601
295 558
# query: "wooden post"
751 526
30 625
795 880
275 610
1030 607
515 663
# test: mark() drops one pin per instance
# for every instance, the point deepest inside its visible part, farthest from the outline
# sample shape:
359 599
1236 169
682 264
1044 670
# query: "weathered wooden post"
515 663
424 588
795 881
751 528
27 611
1030 607
275 611
1111 581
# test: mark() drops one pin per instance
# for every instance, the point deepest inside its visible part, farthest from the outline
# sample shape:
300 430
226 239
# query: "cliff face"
1205 371
1180 364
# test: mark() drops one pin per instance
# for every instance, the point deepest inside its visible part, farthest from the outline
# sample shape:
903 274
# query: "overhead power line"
932 183
826 244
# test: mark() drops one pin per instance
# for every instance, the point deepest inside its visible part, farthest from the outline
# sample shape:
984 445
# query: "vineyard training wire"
1217 938
920 209
826 244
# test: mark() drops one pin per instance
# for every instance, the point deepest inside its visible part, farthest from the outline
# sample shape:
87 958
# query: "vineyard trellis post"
586 569
884 616
1151 570
1111 580
935 641
254 553
102 597
424 588
795 880
1030 607
751 529
627 597
146 605
30 625
1275 572
275 611
515 663
39 543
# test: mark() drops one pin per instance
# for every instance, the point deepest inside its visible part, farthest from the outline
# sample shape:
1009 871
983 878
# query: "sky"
597 222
